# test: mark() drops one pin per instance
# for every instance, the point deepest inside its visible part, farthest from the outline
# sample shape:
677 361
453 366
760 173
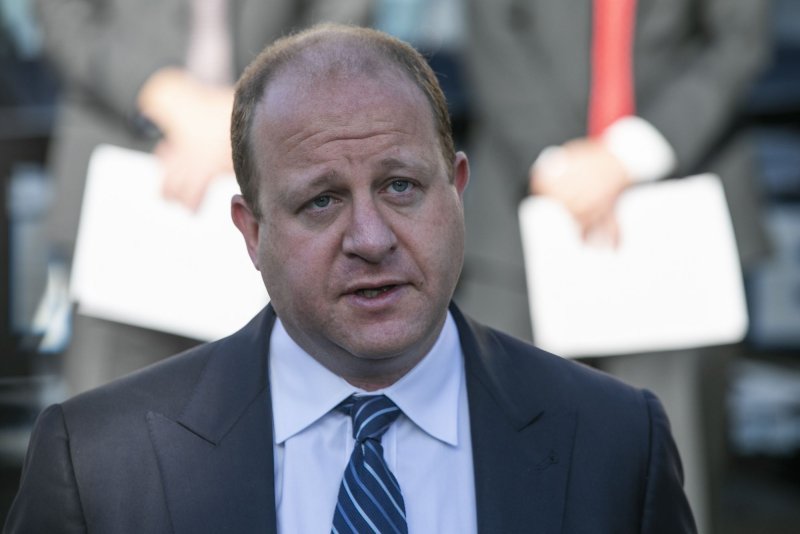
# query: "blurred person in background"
151 76
621 91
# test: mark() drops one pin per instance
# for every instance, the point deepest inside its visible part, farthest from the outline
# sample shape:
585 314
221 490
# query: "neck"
375 383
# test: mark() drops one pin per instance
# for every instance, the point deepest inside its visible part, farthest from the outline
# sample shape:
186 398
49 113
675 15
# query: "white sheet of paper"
144 261
674 282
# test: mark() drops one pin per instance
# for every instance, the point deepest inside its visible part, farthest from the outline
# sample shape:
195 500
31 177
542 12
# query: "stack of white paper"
145 261
674 282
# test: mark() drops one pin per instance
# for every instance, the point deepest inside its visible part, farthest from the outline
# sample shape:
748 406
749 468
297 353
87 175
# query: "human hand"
194 119
188 171
587 179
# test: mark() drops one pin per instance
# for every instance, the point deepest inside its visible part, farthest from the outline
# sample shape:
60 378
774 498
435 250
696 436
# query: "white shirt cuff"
642 150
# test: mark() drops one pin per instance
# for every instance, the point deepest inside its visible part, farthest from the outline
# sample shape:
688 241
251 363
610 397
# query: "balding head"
318 54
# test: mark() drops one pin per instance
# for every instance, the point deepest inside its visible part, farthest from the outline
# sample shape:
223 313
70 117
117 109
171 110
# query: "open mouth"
371 293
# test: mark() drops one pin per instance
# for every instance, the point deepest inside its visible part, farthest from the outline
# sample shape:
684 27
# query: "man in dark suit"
351 208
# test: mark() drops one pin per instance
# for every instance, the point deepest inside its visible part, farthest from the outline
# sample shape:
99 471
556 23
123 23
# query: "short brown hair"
370 45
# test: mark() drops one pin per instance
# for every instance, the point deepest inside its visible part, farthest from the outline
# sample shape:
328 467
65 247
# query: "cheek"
276 256
450 242
446 223
439 248
296 263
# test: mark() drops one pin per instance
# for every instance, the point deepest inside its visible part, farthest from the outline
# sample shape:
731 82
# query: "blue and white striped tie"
369 497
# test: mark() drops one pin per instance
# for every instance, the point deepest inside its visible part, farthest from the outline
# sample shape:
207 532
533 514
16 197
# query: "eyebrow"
390 164
300 191
393 163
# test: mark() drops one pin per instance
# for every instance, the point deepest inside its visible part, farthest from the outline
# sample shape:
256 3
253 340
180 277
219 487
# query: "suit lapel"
521 439
216 457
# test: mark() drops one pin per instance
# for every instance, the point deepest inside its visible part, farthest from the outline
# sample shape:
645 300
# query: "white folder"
674 281
148 262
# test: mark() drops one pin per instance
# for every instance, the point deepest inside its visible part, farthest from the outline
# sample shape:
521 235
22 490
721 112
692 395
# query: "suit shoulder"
167 386
557 380
162 386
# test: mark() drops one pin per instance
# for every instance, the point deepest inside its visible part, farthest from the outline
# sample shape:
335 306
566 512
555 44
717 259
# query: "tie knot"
371 414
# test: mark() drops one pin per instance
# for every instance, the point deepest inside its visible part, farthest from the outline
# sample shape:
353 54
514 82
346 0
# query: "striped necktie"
369 497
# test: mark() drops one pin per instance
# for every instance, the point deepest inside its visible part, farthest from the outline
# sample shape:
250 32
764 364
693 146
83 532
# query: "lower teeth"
371 293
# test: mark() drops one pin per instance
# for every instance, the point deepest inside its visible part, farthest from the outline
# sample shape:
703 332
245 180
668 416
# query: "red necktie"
611 96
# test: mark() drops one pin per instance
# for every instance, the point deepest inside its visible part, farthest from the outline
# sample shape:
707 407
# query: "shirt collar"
303 390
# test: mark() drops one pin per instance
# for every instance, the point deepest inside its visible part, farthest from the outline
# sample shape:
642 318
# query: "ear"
247 224
461 173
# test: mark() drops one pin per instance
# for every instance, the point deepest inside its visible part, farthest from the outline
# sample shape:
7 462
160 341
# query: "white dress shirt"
428 448
644 153
209 55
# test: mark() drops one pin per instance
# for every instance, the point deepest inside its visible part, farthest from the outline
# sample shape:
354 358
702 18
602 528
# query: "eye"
322 201
400 186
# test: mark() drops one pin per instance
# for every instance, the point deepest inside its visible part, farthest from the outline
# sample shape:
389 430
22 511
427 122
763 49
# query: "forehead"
332 66
301 109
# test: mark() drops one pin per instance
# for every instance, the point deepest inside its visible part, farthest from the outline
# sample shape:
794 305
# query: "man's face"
361 242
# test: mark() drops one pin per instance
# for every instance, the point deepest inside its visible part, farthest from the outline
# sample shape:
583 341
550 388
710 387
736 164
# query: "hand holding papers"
145 261
673 282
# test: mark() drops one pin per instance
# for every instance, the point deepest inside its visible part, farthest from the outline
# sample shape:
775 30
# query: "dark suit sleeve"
48 499
696 101
108 48
666 509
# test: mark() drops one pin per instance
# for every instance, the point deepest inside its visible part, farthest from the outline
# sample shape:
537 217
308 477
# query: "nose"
368 235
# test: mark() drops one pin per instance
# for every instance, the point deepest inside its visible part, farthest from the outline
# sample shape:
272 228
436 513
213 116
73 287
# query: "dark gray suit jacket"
529 66
186 446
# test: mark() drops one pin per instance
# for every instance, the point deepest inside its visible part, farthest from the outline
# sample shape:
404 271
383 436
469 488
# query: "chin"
387 343
380 350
